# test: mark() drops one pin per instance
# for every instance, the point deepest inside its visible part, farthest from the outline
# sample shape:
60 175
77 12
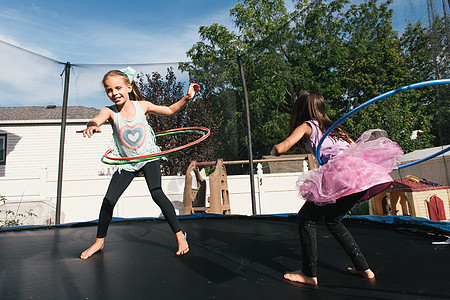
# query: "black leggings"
120 181
332 215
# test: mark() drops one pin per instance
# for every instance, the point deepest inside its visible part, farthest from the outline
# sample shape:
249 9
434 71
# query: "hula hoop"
205 132
375 99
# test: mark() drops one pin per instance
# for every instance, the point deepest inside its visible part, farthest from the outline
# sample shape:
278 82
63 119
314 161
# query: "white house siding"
82 155
31 170
31 148
435 170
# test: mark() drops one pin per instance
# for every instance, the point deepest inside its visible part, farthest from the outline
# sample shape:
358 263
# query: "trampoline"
231 257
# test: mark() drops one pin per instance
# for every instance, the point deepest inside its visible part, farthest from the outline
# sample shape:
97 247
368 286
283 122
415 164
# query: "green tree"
214 62
427 57
352 56
348 53
215 69
376 65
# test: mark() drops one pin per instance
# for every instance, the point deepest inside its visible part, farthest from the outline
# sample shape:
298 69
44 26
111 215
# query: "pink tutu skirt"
364 166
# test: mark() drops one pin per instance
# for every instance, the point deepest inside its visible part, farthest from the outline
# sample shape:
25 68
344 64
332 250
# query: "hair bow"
131 74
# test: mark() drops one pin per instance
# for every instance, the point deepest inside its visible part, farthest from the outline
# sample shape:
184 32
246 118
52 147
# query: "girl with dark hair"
352 172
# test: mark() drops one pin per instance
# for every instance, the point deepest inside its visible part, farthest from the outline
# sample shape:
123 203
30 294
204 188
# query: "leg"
152 173
119 182
333 221
307 218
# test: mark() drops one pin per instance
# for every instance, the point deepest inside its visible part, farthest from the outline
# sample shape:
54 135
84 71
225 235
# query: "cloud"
94 40
31 79
14 15
28 78
28 47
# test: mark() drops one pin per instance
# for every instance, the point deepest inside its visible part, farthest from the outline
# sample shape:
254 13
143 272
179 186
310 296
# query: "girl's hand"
274 151
88 132
162 110
193 88
93 125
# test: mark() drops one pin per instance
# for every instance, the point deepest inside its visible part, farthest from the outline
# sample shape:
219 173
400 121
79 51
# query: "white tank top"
133 137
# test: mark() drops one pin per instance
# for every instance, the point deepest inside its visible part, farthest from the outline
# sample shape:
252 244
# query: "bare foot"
98 245
298 276
366 274
183 246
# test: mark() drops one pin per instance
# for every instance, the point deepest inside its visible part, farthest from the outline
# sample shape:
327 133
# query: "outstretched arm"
172 109
303 130
93 125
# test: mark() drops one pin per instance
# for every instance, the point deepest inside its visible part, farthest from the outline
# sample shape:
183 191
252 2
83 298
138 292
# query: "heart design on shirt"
132 136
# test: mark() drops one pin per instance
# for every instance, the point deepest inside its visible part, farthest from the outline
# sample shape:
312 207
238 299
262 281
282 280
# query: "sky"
110 31
99 35
94 32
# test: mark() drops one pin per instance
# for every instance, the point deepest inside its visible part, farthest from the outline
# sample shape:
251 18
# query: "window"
2 148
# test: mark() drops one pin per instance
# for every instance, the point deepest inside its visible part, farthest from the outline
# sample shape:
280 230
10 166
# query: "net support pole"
249 135
62 142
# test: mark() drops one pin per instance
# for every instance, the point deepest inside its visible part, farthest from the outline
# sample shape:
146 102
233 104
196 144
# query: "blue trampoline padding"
394 220
405 220
208 215
118 219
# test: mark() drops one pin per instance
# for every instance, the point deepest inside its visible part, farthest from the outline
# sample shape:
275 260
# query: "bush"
12 218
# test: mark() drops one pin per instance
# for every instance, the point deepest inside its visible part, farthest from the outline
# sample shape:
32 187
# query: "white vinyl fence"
82 198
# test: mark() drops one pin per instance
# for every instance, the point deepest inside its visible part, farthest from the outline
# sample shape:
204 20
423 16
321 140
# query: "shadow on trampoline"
231 257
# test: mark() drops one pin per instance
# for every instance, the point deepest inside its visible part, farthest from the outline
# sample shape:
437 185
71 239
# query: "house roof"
408 185
420 154
50 112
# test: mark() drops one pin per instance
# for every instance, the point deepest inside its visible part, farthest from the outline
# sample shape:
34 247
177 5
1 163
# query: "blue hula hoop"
375 99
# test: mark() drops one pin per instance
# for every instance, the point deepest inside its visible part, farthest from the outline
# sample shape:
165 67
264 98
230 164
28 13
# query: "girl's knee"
305 221
301 219
157 193
159 197
333 224
108 203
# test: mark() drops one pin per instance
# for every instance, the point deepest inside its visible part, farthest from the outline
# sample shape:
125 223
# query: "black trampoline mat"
229 258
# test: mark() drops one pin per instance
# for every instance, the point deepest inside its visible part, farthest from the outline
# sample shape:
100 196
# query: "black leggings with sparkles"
332 215
120 181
